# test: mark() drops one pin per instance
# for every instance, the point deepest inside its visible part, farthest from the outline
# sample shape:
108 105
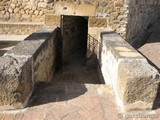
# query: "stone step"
73 88
67 94
87 77
60 92
17 28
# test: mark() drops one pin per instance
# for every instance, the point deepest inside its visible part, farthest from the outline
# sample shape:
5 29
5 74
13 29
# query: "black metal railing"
92 44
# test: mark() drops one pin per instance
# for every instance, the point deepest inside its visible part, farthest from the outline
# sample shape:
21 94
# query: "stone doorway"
74 31
75 66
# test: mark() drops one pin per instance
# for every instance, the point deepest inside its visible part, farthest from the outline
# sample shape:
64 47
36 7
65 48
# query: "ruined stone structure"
134 81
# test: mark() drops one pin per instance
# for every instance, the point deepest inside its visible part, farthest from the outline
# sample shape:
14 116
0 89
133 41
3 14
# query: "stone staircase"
79 78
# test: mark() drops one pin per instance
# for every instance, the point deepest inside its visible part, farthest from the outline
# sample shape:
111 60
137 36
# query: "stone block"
74 9
67 9
135 82
52 20
29 61
42 4
85 10
40 47
16 83
97 22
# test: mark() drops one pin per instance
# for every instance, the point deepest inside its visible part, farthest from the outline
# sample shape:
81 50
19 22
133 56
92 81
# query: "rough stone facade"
126 17
35 10
30 61
117 11
22 10
16 83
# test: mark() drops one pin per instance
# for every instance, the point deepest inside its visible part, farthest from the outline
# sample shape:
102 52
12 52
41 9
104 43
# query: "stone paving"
152 47
7 42
73 101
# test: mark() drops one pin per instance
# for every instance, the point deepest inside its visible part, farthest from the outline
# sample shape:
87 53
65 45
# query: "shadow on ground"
68 84
56 92
70 81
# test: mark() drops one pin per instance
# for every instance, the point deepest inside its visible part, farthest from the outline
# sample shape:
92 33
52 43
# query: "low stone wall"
30 61
17 28
134 80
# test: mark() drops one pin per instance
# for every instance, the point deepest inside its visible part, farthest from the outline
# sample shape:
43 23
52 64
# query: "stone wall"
22 10
135 82
16 83
44 60
35 10
142 15
49 11
129 18
8 28
117 11
30 61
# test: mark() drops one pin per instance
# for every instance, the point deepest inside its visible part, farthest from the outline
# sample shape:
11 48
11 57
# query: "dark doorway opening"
74 33
76 67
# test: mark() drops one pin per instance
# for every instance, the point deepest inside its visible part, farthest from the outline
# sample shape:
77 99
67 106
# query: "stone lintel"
75 9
